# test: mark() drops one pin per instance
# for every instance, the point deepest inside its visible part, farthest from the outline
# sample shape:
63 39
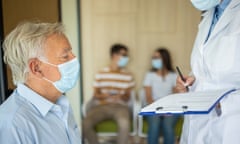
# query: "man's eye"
65 57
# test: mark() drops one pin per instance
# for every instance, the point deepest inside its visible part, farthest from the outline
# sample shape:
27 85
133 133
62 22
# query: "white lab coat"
216 65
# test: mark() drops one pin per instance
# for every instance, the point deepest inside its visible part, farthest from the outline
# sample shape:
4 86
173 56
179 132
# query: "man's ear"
35 67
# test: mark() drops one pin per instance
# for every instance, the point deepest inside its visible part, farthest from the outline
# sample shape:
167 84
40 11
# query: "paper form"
186 103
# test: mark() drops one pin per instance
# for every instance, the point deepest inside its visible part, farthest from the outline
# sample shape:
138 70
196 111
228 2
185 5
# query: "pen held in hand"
182 78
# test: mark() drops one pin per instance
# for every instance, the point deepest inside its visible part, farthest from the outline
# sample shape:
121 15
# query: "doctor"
215 63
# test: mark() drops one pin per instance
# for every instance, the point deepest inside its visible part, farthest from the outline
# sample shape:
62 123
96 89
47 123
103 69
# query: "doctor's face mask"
205 4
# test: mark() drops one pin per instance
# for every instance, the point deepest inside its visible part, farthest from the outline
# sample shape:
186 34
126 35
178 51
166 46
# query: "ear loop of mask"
48 63
51 65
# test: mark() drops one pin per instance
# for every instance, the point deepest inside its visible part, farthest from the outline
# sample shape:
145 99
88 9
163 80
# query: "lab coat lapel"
234 3
204 26
226 18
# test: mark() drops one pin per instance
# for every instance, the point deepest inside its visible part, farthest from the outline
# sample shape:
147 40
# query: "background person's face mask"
205 4
157 63
69 75
123 61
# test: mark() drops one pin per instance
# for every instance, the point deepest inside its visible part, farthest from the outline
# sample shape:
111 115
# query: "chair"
142 122
109 127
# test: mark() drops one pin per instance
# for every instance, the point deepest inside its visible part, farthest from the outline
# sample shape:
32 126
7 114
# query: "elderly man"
43 68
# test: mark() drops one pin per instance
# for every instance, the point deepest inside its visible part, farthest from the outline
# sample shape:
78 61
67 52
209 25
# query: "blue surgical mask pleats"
123 61
69 75
157 63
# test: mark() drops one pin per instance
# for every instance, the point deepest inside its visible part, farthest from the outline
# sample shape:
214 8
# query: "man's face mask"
69 74
205 4
123 61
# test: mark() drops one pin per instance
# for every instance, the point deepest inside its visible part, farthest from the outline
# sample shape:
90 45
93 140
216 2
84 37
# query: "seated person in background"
158 83
112 90
43 68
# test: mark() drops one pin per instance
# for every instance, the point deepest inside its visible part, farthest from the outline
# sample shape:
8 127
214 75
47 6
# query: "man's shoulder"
13 112
107 70
14 120
8 111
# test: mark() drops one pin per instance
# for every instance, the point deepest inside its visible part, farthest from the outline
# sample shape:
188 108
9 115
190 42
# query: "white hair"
25 42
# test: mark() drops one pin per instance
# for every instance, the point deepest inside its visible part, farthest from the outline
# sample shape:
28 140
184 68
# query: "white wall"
142 25
70 20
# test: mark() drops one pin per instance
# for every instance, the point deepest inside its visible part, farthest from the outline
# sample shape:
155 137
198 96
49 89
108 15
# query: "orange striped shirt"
113 83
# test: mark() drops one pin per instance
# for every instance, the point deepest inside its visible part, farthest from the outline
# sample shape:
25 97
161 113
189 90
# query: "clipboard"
186 103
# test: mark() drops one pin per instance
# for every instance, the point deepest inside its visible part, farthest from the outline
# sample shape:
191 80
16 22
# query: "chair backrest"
132 99
142 103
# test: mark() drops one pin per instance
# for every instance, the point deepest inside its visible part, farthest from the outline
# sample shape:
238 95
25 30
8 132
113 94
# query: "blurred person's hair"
116 48
166 59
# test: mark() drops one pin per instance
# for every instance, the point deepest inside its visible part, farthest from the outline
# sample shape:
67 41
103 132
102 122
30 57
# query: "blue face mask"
123 61
205 4
69 75
157 63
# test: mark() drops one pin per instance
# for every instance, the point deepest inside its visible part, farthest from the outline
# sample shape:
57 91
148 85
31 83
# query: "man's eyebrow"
64 52
67 49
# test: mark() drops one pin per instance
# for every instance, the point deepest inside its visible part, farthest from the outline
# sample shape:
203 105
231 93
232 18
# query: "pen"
181 76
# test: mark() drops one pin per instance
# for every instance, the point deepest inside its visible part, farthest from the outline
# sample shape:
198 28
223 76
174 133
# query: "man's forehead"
67 49
123 51
61 51
57 45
